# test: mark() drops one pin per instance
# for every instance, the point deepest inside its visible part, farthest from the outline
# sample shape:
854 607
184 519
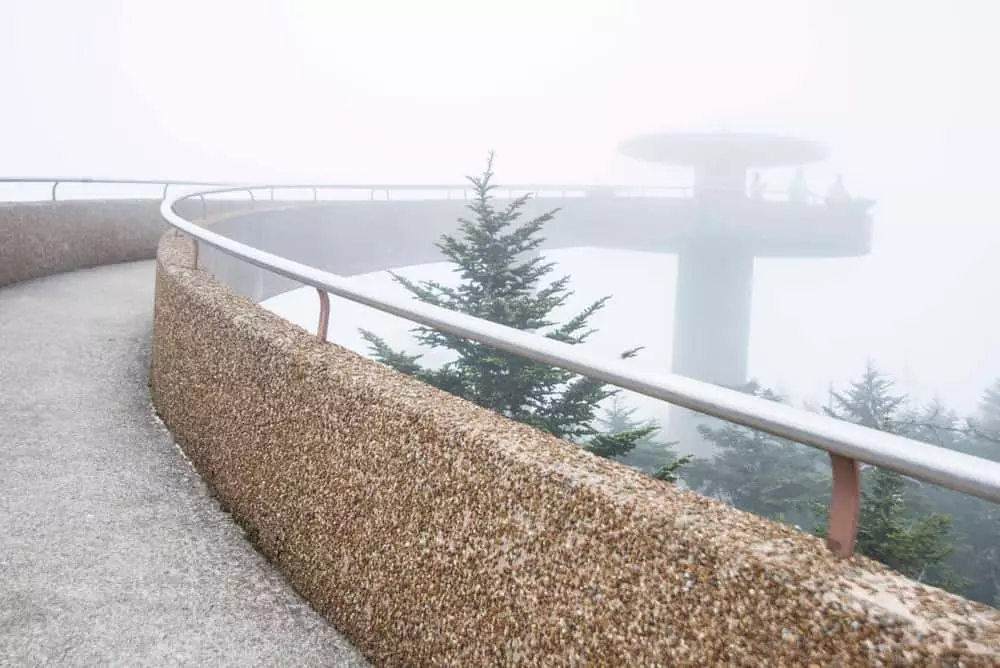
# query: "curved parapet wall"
433 532
42 238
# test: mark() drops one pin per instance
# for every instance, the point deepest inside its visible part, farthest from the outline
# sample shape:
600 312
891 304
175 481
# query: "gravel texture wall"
42 238
432 532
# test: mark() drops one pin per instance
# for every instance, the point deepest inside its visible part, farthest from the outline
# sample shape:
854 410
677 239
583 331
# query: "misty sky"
902 91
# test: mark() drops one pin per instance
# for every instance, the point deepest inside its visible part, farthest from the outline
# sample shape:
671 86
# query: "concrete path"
112 552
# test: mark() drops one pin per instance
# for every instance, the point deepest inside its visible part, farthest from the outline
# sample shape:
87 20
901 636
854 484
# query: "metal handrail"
374 187
616 190
847 443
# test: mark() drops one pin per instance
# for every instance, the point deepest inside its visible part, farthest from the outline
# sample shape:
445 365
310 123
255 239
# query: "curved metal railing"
374 191
847 444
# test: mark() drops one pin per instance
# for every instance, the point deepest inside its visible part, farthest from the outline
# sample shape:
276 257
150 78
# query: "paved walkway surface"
112 552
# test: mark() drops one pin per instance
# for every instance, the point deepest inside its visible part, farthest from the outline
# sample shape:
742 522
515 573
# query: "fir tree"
986 424
758 472
975 525
504 280
989 407
893 526
890 534
649 454
870 402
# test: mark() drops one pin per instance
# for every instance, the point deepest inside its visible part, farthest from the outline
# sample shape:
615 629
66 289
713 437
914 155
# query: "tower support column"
711 325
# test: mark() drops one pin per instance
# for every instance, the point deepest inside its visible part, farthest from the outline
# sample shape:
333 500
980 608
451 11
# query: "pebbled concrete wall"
42 238
432 532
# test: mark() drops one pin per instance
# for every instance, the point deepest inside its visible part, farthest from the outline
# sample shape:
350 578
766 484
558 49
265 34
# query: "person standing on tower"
838 193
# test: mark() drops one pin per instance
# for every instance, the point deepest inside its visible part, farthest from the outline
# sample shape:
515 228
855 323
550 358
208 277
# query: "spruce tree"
893 525
975 525
503 279
651 455
986 424
758 472
870 401
989 407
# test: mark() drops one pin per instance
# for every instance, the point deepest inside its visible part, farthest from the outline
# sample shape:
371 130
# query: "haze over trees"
928 533
896 526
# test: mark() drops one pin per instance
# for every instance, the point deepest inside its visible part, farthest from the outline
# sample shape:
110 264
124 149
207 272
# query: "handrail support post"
845 505
324 314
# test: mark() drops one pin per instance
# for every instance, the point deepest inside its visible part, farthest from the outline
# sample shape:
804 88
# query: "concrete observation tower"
729 228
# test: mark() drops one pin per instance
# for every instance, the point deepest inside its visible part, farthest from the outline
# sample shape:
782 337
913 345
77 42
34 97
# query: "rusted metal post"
55 185
842 527
194 256
324 314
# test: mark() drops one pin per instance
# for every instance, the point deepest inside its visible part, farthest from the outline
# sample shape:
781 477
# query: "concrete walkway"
112 552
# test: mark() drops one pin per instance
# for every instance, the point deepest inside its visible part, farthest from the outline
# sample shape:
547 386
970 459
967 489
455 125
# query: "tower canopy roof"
713 148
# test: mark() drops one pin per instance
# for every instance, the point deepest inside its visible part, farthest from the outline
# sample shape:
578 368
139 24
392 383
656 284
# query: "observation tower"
732 225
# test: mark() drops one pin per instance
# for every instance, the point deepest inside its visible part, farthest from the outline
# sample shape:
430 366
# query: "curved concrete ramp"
112 552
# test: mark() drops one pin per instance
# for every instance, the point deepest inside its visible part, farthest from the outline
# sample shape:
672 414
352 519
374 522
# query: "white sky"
904 92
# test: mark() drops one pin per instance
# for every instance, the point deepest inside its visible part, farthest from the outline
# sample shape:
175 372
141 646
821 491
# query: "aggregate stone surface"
112 549
434 532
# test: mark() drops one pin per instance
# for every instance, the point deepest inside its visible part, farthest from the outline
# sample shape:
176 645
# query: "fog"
399 92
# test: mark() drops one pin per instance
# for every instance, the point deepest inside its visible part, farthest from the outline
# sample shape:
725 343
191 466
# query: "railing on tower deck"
848 445
389 192
376 191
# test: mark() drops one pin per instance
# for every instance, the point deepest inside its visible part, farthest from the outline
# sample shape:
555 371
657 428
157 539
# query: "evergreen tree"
937 424
870 402
503 280
975 522
649 454
986 424
916 547
989 407
758 472
892 525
